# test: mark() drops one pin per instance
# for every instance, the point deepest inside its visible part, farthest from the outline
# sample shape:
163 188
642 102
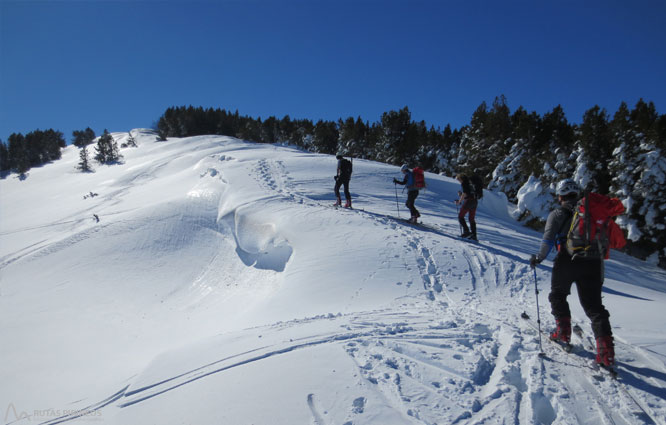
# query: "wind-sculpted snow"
210 280
259 244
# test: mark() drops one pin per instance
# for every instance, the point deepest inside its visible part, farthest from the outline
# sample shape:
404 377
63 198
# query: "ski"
468 239
343 208
610 370
566 346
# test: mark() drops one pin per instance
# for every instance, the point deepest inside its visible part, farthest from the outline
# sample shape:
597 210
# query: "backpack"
419 178
345 168
593 231
477 184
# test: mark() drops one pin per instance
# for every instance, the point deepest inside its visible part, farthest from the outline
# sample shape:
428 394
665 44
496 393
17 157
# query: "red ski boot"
605 351
563 331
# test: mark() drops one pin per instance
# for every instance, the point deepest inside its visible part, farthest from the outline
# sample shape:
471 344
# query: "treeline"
40 147
621 155
395 139
35 148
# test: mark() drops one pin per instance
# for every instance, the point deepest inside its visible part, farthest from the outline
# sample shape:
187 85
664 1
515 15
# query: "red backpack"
419 178
593 231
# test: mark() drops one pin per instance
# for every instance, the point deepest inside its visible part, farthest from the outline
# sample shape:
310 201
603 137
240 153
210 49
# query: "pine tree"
597 145
131 141
326 137
396 144
622 167
83 138
4 157
353 140
84 162
18 155
107 149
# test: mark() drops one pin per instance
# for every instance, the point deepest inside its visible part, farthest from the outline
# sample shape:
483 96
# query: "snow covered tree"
508 176
555 138
623 164
597 143
520 161
651 187
487 140
395 145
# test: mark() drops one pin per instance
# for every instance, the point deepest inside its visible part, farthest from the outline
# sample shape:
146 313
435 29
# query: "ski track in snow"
435 358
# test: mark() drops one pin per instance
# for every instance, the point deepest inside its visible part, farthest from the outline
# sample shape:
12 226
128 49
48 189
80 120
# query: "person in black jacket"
468 204
342 178
586 273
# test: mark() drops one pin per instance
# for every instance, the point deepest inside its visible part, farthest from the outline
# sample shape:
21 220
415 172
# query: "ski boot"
338 203
605 351
563 332
348 203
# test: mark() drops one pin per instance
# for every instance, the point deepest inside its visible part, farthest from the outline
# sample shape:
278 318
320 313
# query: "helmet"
404 168
567 187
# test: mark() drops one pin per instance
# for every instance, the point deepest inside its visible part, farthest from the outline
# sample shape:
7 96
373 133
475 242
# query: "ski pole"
458 216
536 291
397 204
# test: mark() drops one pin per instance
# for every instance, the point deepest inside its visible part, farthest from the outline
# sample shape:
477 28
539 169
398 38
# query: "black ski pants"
588 276
340 181
411 198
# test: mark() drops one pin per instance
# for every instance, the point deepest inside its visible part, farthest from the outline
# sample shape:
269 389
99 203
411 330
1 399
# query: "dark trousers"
469 206
588 276
339 182
411 197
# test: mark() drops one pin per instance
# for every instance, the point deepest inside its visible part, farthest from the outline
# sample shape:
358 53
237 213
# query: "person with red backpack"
563 228
469 202
414 181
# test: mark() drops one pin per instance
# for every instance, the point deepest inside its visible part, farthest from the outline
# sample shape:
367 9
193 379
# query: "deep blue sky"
118 65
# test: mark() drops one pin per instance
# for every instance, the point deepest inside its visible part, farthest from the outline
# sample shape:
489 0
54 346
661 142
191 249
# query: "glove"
395 181
335 178
534 261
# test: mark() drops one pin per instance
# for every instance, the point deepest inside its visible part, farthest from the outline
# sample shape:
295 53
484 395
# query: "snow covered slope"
208 280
